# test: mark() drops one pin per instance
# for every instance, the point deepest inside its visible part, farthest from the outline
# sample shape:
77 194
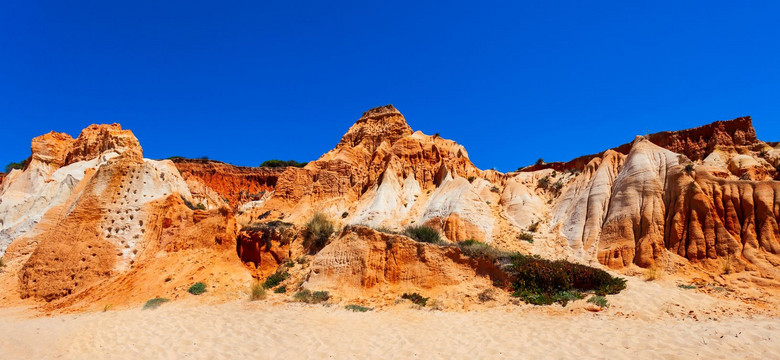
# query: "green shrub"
155 303
197 288
486 295
558 185
689 168
318 230
415 298
540 162
281 290
533 227
258 292
16 165
424 234
543 282
495 189
525 236
477 249
599 301
200 206
543 182
687 287
275 279
281 163
310 297
384 229
357 308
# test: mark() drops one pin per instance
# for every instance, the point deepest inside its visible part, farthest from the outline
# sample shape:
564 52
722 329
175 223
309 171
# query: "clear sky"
248 81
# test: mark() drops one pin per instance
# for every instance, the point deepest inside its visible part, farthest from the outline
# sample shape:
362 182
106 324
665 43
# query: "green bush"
16 165
384 229
525 236
477 249
258 292
543 282
281 163
495 189
540 162
424 234
318 230
687 287
357 308
533 227
415 298
197 288
599 301
155 303
310 297
543 182
275 279
281 290
689 168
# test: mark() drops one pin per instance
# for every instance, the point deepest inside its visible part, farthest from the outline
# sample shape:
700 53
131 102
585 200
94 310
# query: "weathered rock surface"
383 174
365 262
234 185
90 219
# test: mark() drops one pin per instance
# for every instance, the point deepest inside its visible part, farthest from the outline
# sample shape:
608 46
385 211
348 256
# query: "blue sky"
244 82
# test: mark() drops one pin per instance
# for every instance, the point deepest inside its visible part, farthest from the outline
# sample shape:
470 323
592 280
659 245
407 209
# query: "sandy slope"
262 330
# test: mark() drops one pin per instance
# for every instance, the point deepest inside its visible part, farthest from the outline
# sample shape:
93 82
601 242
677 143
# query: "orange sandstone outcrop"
363 262
235 185
381 173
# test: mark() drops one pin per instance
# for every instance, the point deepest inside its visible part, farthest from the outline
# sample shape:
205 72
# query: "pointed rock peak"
384 123
98 139
380 111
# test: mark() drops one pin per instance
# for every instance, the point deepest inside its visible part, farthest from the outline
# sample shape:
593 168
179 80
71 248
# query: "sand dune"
242 330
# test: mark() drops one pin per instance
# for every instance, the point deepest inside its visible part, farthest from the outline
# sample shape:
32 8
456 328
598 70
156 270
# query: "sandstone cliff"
90 220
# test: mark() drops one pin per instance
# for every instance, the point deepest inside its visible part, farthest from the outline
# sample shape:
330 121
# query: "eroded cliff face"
90 219
383 174
91 213
215 184
362 262
655 203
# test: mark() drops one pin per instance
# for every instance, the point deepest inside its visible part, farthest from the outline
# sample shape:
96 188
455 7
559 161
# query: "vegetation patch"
598 300
687 286
423 234
281 163
543 182
544 282
357 308
309 297
318 230
275 279
281 290
415 298
477 249
16 165
257 292
526 236
486 295
197 288
533 227
155 303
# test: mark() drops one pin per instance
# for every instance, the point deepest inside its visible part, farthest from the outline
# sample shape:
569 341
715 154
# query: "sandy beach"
243 330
